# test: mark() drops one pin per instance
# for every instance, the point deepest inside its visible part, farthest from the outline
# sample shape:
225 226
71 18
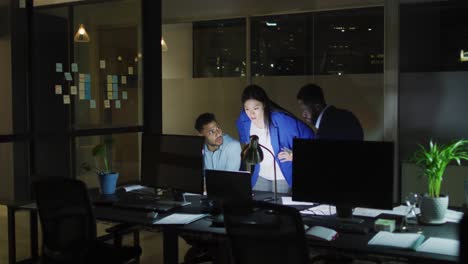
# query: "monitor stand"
344 214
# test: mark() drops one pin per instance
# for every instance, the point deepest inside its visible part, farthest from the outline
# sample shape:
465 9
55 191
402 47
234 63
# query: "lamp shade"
252 153
81 34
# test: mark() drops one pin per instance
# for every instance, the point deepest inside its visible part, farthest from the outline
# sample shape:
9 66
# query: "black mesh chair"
261 232
69 227
463 258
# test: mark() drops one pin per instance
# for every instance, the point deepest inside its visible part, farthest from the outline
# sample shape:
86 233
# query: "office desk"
350 244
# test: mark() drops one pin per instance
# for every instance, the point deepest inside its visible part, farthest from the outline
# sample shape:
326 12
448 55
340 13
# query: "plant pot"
433 209
108 182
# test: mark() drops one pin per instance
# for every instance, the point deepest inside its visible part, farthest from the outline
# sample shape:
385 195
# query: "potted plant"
107 177
433 161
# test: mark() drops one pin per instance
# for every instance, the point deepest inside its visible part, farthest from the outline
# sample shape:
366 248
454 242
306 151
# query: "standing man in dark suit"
329 121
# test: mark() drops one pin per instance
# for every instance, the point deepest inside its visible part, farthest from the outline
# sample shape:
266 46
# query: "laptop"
226 186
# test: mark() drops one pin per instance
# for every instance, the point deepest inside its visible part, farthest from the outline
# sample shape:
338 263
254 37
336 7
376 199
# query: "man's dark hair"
204 119
311 94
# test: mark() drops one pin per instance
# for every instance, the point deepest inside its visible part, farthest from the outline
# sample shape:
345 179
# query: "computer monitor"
173 162
347 174
228 186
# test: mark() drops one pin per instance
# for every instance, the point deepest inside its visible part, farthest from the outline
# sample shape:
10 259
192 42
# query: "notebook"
399 240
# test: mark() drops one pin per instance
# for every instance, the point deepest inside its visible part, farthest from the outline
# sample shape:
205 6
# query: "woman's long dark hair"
257 93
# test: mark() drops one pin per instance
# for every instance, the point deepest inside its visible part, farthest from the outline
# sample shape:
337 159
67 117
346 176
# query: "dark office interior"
146 68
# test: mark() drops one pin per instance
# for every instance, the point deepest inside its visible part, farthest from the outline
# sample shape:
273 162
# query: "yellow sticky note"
81 86
102 64
109 87
106 104
130 70
58 89
82 95
73 90
66 99
109 95
124 79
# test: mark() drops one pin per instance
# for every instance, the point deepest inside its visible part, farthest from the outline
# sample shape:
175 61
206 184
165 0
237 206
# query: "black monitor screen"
173 162
343 173
228 186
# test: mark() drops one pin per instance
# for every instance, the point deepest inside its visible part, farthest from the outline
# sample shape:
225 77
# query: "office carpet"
151 242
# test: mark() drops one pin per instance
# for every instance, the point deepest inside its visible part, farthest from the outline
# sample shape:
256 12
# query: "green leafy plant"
100 151
434 160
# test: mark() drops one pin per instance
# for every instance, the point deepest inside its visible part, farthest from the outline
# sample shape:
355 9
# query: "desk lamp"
252 154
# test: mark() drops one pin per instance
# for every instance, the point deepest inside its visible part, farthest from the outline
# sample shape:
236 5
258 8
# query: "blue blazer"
339 124
283 129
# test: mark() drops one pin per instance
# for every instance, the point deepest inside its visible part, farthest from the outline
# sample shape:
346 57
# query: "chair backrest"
66 215
463 258
261 232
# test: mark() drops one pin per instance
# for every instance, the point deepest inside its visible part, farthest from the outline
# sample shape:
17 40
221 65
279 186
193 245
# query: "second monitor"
347 174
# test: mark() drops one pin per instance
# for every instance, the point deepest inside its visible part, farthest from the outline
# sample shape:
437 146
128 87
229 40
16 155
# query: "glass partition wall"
88 86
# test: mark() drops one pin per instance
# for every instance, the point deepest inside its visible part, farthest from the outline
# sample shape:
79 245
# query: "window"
281 45
434 37
349 41
219 48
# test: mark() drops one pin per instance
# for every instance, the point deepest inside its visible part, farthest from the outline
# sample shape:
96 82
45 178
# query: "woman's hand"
285 155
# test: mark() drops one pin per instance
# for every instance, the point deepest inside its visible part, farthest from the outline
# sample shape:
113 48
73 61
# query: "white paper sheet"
323 209
179 219
399 240
287 200
440 246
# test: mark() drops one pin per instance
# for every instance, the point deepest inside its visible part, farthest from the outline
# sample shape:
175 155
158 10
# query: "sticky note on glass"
87 78
117 104
68 76
106 104
58 89
109 87
109 78
81 86
92 104
102 64
115 87
73 90
58 67
66 99
82 95
81 77
115 95
115 79
87 86
130 70
124 79
74 67
110 95
124 95
87 94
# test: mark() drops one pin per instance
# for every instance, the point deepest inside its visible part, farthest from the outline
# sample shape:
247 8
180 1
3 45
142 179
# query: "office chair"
69 227
261 232
463 257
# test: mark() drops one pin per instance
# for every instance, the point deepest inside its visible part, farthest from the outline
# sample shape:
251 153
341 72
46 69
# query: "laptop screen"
228 186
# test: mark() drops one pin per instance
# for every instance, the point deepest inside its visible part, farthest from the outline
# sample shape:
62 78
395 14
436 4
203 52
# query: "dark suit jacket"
339 124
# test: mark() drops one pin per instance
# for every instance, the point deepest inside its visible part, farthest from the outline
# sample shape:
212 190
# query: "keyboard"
339 225
148 203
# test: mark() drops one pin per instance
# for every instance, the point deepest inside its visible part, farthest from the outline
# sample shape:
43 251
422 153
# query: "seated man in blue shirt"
221 152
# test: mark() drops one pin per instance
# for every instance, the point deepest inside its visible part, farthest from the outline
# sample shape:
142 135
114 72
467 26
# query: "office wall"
433 106
184 11
6 115
184 97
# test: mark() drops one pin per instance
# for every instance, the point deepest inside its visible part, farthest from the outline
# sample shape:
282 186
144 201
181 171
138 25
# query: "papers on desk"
398 240
323 209
367 212
440 246
287 200
130 188
179 219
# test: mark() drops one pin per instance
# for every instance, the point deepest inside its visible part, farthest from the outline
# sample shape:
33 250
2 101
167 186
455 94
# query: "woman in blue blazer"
276 129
